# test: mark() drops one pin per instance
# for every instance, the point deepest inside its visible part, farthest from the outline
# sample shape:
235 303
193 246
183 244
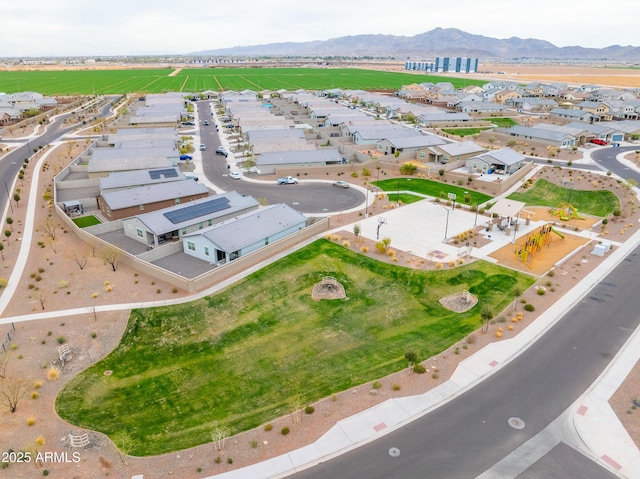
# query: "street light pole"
446 226
366 208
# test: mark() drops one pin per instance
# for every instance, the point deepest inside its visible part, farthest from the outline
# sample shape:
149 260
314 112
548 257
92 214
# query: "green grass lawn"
503 122
404 198
544 193
237 357
85 221
103 82
464 131
430 188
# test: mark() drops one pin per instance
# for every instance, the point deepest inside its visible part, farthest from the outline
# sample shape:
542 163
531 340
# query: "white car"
235 175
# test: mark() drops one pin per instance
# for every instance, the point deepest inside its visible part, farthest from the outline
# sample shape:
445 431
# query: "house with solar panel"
156 227
238 236
128 193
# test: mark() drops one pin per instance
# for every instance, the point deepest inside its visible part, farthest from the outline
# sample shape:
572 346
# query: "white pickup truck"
288 180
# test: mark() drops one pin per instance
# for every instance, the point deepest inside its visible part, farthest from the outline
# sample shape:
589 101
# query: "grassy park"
430 188
86 221
102 82
592 202
237 357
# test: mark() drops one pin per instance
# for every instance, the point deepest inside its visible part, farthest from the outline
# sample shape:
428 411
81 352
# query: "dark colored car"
186 157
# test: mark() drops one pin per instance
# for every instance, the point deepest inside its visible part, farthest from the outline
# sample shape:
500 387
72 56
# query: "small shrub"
501 319
31 421
396 387
40 270
217 460
419 369
346 243
254 444
35 395
53 374
174 290
268 427
541 291
285 430
229 460
61 340
529 307
94 335
309 410
40 441
158 291
45 472
471 339
37 385
551 273
376 385
364 249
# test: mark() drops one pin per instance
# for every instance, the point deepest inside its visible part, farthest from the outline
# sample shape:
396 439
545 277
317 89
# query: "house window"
177 201
141 207
139 233
184 231
422 156
206 251
200 225
209 222
266 241
191 245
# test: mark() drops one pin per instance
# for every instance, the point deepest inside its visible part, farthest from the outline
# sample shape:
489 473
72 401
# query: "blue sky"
134 27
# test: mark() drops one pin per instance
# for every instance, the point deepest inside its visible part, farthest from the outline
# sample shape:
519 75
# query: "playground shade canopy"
506 208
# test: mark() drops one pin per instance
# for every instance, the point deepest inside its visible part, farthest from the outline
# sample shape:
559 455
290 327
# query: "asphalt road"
10 165
606 158
315 198
468 435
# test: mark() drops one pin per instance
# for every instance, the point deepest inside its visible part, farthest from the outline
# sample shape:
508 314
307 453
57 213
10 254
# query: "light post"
475 222
446 226
381 221
570 191
366 208
515 228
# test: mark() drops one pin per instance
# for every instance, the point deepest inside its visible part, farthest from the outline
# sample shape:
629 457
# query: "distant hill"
437 42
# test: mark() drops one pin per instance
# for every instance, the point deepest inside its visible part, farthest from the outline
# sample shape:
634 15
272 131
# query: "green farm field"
102 82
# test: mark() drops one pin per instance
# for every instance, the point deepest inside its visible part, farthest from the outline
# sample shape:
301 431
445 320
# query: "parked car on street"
288 180
221 151
235 175
599 141
203 147
205 123
188 123
341 184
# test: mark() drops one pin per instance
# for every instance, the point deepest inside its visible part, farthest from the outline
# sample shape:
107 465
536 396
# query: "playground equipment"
565 211
534 243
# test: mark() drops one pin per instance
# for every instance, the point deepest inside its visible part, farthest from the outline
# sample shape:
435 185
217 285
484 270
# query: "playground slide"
558 233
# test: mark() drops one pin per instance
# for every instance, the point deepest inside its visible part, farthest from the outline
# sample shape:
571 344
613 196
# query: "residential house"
269 161
173 223
504 161
450 152
578 115
501 96
411 144
556 138
236 237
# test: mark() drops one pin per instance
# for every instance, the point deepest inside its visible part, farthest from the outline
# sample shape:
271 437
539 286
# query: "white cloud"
118 27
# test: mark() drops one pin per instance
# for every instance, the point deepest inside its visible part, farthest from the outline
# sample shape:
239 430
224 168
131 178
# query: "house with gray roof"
436 119
408 144
241 235
371 134
103 161
504 161
268 162
578 115
480 107
450 152
555 137
132 179
118 204
177 221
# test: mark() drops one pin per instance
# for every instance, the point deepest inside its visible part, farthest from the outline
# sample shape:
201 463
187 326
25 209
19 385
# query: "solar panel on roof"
167 173
194 211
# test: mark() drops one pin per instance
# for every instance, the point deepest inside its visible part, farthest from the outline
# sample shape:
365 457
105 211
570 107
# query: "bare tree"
2 250
295 405
50 227
125 444
111 256
53 244
81 257
11 391
42 298
219 434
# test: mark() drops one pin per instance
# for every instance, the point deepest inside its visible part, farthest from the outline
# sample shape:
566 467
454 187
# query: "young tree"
111 256
295 405
486 314
517 291
411 357
16 198
50 227
10 222
2 250
219 434
81 257
356 230
11 391
125 444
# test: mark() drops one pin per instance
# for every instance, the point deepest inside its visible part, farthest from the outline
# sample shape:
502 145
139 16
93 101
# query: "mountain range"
437 42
